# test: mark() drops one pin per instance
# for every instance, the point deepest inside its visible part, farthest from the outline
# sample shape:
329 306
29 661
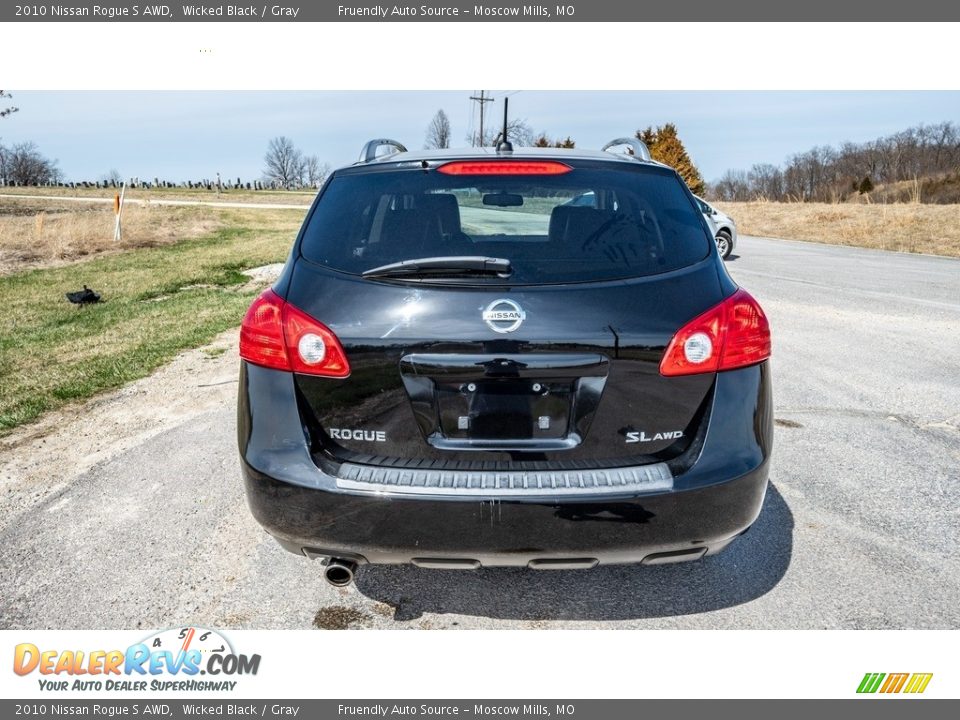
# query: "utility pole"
482 100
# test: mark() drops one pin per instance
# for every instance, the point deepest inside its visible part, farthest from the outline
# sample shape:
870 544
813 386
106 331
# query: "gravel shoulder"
44 458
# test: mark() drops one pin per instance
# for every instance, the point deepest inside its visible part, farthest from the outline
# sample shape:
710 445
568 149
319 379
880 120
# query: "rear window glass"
584 225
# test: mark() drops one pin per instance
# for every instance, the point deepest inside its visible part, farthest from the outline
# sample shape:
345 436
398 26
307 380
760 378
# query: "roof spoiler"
640 149
369 151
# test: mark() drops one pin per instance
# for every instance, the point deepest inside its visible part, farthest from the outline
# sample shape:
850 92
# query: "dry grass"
943 189
176 290
280 197
916 228
37 234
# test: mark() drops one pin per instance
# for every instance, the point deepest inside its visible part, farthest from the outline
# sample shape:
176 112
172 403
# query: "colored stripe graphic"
894 683
918 682
870 682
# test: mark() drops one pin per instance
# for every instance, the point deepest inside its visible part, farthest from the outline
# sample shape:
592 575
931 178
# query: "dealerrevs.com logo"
180 659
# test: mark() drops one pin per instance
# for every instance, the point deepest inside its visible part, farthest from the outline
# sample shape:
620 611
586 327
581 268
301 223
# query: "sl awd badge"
633 437
503 316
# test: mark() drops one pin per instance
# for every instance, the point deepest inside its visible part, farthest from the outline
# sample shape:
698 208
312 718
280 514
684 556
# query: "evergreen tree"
544 141
666 147
866 185
649 137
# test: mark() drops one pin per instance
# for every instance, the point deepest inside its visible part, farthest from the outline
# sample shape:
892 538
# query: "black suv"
493 357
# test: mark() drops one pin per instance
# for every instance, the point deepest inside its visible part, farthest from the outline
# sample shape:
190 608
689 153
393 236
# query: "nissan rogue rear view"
490 357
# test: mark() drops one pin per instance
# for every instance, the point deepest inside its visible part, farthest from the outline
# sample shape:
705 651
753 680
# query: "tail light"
730 335
277 335
504 167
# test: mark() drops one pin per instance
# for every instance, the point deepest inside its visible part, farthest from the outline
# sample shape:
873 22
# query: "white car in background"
723 226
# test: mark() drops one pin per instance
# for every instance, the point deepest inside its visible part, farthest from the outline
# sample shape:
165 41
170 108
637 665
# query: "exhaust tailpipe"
339 573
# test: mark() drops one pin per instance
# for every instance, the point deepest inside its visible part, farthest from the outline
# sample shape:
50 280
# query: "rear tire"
724 244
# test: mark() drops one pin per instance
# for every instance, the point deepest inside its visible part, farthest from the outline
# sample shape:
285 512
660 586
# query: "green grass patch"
156 302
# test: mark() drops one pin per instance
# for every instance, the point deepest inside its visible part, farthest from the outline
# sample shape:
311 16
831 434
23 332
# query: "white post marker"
118 210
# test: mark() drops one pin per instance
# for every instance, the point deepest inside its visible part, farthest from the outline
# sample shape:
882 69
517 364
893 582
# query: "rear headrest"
573 224
423 228
443 210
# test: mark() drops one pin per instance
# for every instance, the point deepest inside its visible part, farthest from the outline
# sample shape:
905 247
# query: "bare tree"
283 163
4 151
438 132
24 165
734 185
4 111
765 182
315 171
519 133
113 177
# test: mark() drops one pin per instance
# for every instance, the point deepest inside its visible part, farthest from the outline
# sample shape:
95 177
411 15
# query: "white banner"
484 664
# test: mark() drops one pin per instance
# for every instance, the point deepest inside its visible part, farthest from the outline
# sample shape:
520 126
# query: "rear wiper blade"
454 265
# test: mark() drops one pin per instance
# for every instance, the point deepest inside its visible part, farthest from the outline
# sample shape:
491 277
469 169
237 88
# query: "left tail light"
277 335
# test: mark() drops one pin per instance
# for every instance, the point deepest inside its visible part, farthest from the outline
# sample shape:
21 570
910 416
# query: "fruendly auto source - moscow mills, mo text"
429 11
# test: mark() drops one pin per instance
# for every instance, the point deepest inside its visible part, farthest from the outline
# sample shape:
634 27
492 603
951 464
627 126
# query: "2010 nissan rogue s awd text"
490 357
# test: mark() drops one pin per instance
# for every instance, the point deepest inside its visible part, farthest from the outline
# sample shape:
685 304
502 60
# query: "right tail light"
730 335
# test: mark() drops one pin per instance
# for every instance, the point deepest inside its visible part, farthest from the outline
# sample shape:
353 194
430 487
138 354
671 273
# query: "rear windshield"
584 225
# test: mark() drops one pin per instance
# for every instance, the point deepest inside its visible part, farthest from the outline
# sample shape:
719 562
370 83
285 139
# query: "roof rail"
369 151
640 149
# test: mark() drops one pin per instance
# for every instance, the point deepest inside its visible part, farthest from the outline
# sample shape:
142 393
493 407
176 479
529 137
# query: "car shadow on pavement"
746 570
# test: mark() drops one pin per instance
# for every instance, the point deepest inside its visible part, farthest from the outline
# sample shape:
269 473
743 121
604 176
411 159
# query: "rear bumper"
711 502
433 532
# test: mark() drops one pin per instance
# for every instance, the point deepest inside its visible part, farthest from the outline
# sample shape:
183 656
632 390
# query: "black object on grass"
83 297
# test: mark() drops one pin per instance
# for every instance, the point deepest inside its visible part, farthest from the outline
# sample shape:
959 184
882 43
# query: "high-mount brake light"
504 167
730 335
277 335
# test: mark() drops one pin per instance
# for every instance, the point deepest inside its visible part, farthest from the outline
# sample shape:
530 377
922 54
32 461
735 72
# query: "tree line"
929 153
22 163
833 174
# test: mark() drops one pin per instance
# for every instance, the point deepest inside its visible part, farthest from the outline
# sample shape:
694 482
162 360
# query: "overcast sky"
191 135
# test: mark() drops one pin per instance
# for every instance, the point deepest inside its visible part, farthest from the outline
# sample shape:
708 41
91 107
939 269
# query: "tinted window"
588 224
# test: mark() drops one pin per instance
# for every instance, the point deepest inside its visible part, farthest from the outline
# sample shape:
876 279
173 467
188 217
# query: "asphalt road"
859 530
487 221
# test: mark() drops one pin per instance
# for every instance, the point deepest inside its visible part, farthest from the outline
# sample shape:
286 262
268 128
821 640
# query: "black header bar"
859 11
227 708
